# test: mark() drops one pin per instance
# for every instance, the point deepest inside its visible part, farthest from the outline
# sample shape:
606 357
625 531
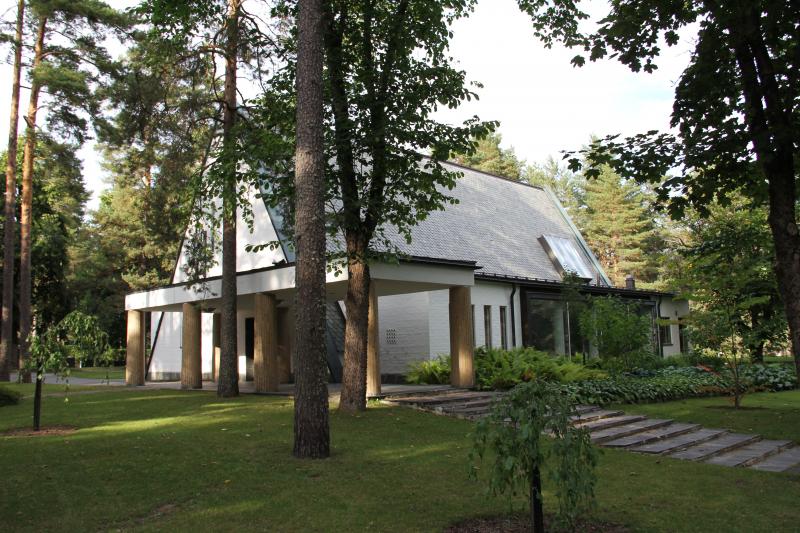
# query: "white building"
498 255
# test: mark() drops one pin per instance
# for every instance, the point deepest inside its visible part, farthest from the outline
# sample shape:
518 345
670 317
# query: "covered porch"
265 301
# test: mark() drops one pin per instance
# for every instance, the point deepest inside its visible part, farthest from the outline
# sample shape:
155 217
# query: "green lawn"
170 460
774 415
97 372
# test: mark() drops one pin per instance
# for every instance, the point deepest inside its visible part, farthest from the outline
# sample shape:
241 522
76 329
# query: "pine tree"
617 227
490 157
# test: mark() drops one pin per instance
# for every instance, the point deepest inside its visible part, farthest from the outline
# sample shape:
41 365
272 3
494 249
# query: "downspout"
658 327
513 320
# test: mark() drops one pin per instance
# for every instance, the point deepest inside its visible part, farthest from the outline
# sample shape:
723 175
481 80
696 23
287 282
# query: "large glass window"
546 325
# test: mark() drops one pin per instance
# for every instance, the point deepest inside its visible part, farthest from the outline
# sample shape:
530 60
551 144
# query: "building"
498 256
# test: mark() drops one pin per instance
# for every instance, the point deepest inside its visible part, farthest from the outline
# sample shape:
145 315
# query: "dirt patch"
49 431
521 524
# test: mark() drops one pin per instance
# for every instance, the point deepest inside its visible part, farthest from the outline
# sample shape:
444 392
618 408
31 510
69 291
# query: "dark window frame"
503 327
487 326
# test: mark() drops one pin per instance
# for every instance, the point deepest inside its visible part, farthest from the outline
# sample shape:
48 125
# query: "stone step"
679 442
723 443
603 435
442 399
465 410
583 409
751 453
594 415
646 437
613 421
480 402
780 462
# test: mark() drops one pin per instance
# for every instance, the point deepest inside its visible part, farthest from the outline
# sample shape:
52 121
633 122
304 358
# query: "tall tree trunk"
26 217
228 383
311 428
9 222
354 374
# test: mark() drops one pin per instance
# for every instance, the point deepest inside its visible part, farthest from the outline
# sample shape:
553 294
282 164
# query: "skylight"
565 256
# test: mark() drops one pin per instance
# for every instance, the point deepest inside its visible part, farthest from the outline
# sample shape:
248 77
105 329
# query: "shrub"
431 372
9 396
503 369
676 383
511 440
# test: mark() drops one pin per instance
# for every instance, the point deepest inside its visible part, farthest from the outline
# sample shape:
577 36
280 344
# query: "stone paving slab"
646 437
721 444
615 432
603 423
751 453
679 442
594 415
783 461
583 409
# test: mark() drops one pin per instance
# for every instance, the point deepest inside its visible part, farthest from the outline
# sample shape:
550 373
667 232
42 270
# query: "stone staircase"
636 433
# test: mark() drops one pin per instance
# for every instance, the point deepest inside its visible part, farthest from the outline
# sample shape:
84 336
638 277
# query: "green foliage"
9 396
430 372
85 340
490 157
502 369
618 330
619 228
512 440
743 301
675 383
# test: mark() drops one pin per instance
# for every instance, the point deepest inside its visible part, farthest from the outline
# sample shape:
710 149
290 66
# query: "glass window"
487 326
564 252
503 328
665 331
546 325
683 337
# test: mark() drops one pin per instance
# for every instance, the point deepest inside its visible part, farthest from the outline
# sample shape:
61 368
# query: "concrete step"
603 435
646 437
595 414
465 410
780 462
609 422
479 402
751 453
423 393
679 442
723 443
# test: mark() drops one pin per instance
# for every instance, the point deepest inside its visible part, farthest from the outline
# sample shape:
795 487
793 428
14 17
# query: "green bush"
676 383
432 372
9 397
503 369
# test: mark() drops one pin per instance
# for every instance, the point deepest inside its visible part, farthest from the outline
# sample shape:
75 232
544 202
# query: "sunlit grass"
174 461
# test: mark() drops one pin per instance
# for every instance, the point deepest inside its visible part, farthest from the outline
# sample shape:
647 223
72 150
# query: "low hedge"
9 396
676 383
502 369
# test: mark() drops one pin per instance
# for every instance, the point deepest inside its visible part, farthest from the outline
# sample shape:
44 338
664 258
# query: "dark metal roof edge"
549 283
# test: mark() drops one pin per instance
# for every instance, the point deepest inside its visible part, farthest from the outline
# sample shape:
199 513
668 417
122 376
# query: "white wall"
406 317
262 233
673 310
166 362
421 323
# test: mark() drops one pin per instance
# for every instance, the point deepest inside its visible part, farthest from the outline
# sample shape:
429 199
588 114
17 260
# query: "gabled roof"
497 223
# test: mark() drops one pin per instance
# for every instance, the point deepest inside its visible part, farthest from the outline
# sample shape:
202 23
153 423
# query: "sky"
543 103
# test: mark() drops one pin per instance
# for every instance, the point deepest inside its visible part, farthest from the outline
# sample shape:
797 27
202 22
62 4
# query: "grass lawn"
773 415
98 372
182 461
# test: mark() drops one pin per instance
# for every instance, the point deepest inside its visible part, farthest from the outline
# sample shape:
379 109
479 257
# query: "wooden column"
265 361
462 373
216 335
285 326
134 356
191 363
373 346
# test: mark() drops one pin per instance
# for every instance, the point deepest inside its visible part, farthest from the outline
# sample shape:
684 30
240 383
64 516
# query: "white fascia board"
423 273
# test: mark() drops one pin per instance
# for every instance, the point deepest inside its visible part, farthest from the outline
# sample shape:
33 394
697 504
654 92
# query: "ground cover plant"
167 460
